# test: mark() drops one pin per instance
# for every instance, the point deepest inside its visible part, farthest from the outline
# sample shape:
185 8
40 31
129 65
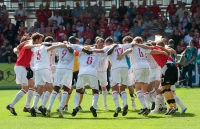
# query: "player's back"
66 59
88 63
41 58
139 57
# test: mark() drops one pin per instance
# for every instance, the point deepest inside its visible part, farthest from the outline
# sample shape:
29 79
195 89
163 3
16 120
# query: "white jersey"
52 55
76 47
139 57
32 63
103 65
152 63
117 51
66 59
41 58
88 63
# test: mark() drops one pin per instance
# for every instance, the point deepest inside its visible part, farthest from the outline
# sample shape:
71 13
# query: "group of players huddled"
149 67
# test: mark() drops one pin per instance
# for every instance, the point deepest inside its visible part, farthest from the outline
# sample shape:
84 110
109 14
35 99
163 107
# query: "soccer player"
24 76
43 74
169 74
141 71
87 75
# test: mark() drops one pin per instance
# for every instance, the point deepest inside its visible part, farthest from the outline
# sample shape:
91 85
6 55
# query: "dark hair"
128 39
109 40
171 41
36 36
193 41
160 44
138 39
48 39
73 40
8 44
25 37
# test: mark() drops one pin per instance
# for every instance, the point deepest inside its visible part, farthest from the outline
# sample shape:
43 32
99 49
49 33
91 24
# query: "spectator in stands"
149 13
10 34
17 40
183 45
185 19
174 21
156 26
65 14
191 25
60 33
146 22
101 8
189 37
36 26
124 26
55 27
6 53
197 14
179 3
31 31
68 27
22 29
40 14
147 30
117 33
137 28
57 18
88 41
95 12
49 32
4 14
103 19
191 54
88 33
132 10
48 12
194 6
73 32
155 9
89 7
152 36
80 38
113 12
142 8
122 10
20 15
178 49
42 28
168 31
171 9
8 21
176 36
76 11
79 26
180 12
139 19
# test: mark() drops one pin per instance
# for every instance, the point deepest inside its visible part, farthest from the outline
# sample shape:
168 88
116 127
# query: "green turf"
105 120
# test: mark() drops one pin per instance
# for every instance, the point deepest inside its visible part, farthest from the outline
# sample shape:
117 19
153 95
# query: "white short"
173 87
63 77
102 77
141 75
21 74
130 77
87 79
155 74
43 76
119 76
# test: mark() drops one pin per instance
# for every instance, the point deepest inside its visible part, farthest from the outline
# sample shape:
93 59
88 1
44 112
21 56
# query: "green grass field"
105 120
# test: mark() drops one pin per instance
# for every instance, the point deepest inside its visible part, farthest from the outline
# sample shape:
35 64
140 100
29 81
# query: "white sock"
115 98
95 100
141 98
147 99
42 96
36 99
45 99
157 102
53 96
76 99
178 101
18 96
153 95
59 95
162 101
124 98
63 99
29 97
104 93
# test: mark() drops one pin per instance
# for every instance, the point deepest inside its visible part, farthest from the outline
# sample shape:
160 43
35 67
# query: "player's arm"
97 50
21 44
30 46
164 49
51 48
16 51
172 51
158 52
143 46
128 51
112 49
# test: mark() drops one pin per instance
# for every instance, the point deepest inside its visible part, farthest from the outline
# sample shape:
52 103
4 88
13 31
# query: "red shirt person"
60 33
142 9
40 14
88 33
155 9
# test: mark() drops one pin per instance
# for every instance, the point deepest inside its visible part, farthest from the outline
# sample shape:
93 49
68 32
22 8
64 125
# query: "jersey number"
140 53
89 60
64 52
119 51
38 54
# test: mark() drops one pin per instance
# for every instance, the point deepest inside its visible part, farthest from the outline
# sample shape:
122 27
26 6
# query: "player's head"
97 38
149 41
25 37
73 40
160 43
109 41
37 38
100 43
191 43
153 43
127 39
171 42
49 39
138 39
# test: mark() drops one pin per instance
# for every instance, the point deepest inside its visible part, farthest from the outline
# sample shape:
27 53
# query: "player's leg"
21 74
179 102
68 98
124 99
131 92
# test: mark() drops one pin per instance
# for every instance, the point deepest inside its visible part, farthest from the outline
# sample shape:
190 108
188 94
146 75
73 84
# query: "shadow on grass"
184 115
